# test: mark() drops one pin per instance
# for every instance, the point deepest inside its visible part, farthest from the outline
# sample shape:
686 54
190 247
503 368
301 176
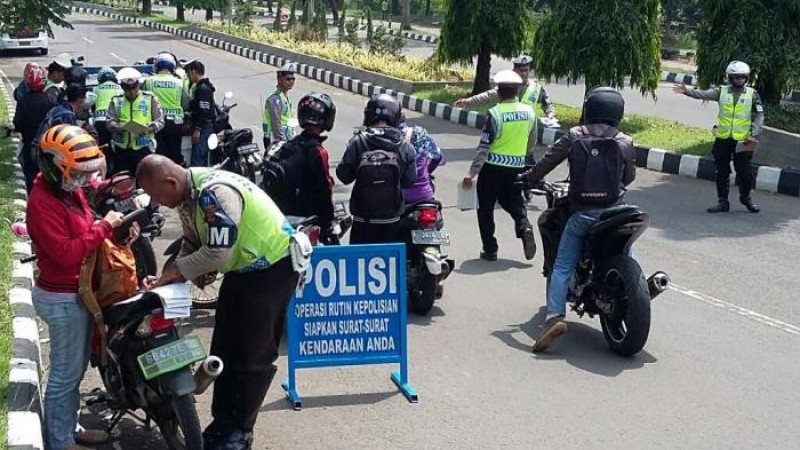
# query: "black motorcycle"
608 282
427 266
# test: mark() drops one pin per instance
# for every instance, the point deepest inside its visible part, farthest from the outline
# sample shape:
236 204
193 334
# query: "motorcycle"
427 266
235 151
608 282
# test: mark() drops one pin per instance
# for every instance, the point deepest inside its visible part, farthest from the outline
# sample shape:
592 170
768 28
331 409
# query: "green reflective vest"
513 124
530 96
263 231
140 111
169 91
104 92
734 119
287 113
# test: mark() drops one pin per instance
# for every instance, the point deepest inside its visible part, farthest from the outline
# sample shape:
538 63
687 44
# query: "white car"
24 39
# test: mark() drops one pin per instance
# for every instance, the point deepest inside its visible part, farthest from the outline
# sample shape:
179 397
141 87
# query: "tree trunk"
427 8
269 6
335 11
482 71
180 13
405 23
395 7
209 14
147 7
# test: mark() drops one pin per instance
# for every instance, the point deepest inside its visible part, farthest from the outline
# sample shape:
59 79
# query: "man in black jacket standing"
202 109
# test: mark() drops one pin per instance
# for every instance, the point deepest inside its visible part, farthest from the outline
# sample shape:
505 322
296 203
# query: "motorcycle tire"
422 296
248 171
207 296
179 424
145 257
627 327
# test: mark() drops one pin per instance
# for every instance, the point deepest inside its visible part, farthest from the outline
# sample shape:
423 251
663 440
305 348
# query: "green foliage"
380 41
292 18
763 33
340 27
276 25
34 14
369 25
783 117
320 22
305 19
351 33
602 42
243 12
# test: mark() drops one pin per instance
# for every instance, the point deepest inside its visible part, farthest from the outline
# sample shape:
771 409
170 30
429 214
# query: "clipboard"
135 128
467 196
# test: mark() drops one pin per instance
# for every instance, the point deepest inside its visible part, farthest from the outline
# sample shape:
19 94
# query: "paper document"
135 128
176 299
467 196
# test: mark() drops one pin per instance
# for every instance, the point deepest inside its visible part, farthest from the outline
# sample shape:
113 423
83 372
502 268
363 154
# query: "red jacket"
63 231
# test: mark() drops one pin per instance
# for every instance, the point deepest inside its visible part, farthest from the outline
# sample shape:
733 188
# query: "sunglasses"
288 78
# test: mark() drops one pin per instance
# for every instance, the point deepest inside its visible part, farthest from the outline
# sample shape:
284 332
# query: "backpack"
377 194
595 169
282 172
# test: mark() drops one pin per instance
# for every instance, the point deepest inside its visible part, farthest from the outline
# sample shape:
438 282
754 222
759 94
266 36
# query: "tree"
763 33
34 14
405 21
481 28
602 42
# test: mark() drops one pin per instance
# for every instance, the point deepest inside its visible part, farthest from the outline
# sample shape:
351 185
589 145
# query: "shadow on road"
582 346
328 401
415 319
479 267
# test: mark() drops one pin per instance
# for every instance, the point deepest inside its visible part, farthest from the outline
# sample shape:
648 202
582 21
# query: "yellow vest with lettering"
513 124
734 119
140 111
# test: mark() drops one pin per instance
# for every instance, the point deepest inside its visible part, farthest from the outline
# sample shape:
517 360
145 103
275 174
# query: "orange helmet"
69 157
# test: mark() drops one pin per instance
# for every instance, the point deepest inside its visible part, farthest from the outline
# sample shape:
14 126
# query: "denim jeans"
70 330
200 149
569 252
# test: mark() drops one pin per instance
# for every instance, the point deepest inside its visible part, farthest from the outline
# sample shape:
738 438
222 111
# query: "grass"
646 131
6 212
783 117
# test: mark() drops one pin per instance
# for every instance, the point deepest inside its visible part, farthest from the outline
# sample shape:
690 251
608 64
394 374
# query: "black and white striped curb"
767 178
678 77
24 384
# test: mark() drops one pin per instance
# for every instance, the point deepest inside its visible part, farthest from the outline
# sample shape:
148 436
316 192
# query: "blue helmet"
106 73
164 61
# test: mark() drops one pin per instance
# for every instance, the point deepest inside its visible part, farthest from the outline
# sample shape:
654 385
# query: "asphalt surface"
719 370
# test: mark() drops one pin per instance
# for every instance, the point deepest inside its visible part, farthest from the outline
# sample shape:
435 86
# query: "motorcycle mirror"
228 95
213 141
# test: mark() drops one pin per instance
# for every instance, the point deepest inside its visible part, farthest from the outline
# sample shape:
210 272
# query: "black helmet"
316 109
382 107
603 105
75 75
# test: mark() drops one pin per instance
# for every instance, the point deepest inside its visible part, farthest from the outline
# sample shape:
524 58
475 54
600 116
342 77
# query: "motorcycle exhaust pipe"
208 371
657 283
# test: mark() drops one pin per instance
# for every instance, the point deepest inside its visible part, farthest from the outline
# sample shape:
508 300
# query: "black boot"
748 203
721 206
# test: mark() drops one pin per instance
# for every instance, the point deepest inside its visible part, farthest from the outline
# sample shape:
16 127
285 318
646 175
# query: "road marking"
749 314
89 41
118 58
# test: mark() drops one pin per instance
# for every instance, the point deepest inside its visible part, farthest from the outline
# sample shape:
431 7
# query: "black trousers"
127 159
724 150
168 141
249 323
104 138
497 185
368 233
30 167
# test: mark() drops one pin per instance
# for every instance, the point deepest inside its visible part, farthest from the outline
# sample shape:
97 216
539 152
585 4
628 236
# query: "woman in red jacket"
63 230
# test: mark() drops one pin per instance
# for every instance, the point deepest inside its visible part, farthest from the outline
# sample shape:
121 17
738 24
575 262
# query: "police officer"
231 226
739 123
106 89
500 158
56 71
531 93
137 107
278 111
174 101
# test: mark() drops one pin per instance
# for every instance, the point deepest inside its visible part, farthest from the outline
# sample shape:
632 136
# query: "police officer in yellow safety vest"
106 89
231 226
739 123
500 158
174 100
278 112
531 93
133 120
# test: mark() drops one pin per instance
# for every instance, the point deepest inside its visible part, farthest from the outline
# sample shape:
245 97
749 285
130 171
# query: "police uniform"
104 92
277 114
129 149
173 98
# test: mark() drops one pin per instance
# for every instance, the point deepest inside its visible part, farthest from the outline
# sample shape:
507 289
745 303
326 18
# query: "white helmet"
737 68
507 77
64 60
129 76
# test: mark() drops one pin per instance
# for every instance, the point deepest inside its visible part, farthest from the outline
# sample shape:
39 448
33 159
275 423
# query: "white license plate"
430 237
124 206
24 43
247 149
339 210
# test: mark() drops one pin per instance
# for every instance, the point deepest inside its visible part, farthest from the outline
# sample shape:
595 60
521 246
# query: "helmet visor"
76 179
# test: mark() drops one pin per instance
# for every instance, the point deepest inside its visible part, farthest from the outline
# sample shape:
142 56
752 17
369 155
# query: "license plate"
430 237
171 357
24 43
247 149
339 211
124 206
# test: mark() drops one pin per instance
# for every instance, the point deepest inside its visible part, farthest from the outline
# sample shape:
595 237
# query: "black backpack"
282 173
377 194
595 169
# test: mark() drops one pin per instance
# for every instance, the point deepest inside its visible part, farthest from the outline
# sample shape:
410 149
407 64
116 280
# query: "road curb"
24 387
772 179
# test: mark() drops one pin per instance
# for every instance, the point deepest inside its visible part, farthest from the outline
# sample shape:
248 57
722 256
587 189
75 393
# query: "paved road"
719 371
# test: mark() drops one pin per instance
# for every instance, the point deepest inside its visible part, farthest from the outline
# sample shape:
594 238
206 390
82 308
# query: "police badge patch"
222 230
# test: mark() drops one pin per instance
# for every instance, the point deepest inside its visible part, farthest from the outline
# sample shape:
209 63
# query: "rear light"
313 233
427 217
154 324
122 186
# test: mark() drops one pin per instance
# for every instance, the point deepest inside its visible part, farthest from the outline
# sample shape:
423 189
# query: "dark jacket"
315 191
202 106
31 111
560 151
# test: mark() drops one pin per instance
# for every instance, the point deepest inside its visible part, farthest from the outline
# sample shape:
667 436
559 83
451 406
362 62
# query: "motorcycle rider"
278 109
174 101
137 107
498 161
739 124
31 110
106 89
428 158
56 72
202 109
381 163
601 158
231 226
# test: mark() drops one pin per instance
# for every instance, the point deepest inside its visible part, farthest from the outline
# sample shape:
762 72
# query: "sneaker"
748 203
528 243
721 207
237 439
489 256
550 330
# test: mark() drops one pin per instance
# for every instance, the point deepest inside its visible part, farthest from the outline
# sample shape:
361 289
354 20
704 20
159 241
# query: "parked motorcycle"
427 266
608 282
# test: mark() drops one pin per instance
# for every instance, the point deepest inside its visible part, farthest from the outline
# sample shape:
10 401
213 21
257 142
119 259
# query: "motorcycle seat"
617 210
117 314
296 221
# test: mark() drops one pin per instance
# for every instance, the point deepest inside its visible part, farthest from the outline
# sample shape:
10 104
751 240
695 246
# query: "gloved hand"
522 180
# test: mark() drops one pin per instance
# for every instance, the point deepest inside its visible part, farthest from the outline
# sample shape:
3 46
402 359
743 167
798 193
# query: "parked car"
24 39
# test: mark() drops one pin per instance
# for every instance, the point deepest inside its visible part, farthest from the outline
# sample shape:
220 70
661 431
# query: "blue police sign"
350 311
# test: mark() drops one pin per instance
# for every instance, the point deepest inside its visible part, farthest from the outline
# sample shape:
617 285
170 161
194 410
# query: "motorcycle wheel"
179 424
422 296
627 327
145 258
248 171
206 297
